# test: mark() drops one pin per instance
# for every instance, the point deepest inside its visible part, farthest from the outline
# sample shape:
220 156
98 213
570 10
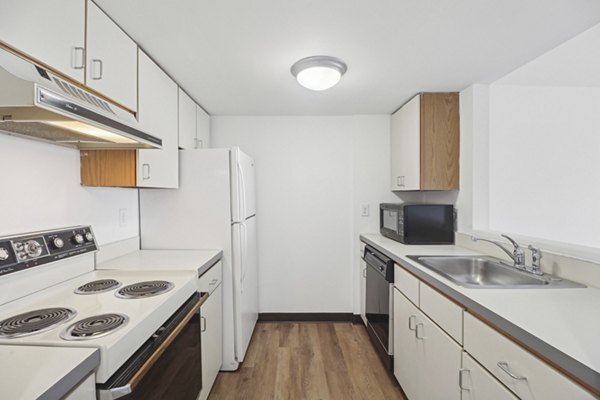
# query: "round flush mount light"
319 72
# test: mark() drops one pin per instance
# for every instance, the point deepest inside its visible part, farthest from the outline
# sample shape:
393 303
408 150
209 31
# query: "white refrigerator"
214 208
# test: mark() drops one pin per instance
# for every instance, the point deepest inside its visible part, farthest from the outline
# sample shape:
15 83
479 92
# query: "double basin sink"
488 272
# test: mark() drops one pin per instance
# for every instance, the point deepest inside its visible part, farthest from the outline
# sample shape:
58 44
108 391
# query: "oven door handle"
115 393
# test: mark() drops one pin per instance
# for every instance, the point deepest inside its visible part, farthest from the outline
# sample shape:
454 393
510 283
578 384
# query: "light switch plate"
364 210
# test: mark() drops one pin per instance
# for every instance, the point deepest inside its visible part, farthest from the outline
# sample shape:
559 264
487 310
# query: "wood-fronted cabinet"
425 135
157 115
111 66
51 32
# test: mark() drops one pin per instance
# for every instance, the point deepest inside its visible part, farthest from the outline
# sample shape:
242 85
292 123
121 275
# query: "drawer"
407 284
532 378
477 384
211 279
445 313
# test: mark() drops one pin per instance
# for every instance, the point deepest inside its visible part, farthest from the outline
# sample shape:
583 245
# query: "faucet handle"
536 256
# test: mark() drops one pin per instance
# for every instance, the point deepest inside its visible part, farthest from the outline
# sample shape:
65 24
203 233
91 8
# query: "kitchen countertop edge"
64 385
578 371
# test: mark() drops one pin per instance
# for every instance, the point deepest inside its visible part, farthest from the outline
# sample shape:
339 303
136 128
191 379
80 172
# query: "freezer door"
245 263
243 198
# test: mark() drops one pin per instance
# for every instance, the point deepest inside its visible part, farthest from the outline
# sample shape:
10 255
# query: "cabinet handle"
411 320
400 180
145 171
504 367
214 281
420 324
202 324
96 72
364 272
462 379
199 144
78 57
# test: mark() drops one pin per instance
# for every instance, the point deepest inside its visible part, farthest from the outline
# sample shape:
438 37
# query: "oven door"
167 366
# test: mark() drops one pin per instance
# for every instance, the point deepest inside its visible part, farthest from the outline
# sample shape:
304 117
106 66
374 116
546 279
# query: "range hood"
38 104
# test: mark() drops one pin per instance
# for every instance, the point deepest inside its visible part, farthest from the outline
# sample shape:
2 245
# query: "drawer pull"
420 324
462 378
504 367
411 322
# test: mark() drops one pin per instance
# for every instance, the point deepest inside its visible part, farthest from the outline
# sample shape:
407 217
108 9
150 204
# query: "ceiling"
234 57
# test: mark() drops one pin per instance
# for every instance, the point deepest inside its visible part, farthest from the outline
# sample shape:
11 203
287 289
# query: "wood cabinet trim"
113 168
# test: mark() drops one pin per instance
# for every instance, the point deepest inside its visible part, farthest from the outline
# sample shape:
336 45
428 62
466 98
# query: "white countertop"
566 319
163 260
38 372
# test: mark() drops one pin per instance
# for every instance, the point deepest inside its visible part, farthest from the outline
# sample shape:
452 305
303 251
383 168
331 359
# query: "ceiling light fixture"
319 72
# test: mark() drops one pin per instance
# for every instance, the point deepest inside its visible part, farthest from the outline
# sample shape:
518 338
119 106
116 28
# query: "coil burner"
94 327
144 289
36 321
99 286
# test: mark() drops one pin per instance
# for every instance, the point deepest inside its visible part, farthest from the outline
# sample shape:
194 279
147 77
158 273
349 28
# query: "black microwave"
418 223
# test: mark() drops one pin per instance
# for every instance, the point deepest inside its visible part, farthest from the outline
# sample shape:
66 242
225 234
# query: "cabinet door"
157 115
438 361
406 146
111 67
202 129
363 290
212 333
52 32
187 121
406 369
477 384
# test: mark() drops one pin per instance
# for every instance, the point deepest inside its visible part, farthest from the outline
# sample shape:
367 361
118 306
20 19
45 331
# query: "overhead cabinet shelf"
425 143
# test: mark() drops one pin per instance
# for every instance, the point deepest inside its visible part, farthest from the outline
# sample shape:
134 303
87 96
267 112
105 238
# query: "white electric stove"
132 317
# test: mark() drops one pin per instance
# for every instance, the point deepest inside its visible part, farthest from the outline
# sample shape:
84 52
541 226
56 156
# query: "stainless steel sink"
488 272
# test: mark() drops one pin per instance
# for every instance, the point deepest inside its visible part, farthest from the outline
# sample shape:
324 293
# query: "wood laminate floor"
309 361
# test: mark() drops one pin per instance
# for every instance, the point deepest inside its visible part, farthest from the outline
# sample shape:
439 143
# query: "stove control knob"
3 254
58 243
89 237
78 238
33 248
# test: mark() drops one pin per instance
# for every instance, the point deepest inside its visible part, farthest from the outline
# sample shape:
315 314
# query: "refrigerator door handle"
242 192
242 254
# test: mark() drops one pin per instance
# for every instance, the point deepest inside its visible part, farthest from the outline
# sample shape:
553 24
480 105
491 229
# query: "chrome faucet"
517 254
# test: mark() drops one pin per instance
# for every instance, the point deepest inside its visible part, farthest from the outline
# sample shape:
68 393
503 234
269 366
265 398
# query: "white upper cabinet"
406 146
202 128
187 121
111 67
194 124
51 32
158 115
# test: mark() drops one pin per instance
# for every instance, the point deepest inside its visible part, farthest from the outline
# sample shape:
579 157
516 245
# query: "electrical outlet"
122 217
364 210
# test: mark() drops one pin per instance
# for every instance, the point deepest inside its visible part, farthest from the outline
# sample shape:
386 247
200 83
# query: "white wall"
313 173
529 152
39 189
545 163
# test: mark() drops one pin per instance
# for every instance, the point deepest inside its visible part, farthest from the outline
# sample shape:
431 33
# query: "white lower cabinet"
523 373
212 336
426 359
363 290
477 384
211 326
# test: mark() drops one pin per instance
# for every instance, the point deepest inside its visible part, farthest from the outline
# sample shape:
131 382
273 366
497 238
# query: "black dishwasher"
378 298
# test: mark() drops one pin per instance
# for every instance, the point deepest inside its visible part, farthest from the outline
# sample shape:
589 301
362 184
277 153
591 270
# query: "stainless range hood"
36 103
